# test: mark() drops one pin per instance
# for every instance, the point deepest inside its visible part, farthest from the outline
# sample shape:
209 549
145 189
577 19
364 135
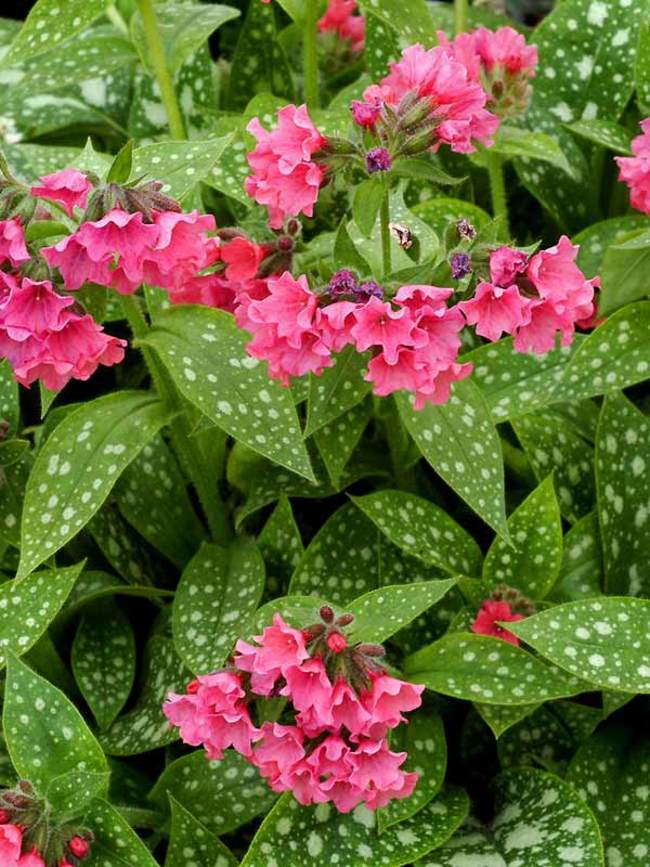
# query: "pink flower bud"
337 642
79 847
326 613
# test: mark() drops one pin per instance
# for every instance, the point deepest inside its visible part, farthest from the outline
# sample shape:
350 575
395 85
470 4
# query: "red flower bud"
326 613
4 817
79 847
337 642
192 687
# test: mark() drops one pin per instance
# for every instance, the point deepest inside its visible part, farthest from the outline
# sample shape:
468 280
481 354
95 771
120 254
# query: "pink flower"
281 647
208 290
495 310
457 103
243 258
33 309
347 710
377 324
505 48
12 243
11 839
366 113
30 859
180 250
385 701
332 768
335 322
635 171
280 748
290 307
309 688
377 772
340 19
506 265
285 178
486 621
69 188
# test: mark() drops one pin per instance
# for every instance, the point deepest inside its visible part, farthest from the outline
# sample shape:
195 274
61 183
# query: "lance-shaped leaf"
145 727
485 669
337 440
606 133
532 562
28 607
280 544
203 350
423 530
501 718
115 843
623 480
9 401
77 467
218 591
540 820
622 272
605 641
460 442
581 575
336 390
189 839
595 239
318 835
180 165
609 772
46 735
104 659
221 795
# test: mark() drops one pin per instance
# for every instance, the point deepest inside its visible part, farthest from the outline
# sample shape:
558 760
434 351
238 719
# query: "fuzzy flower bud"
337 642
79 847
378 160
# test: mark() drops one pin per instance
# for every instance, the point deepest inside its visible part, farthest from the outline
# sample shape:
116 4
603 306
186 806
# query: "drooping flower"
279 648
285 176
366 113
635 171
506 264
280 748
68 188
12 243
488 617
386 700
495 311
376 770
181 248
339 18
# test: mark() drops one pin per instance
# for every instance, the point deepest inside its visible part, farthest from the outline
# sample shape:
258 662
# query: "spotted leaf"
204 352
460 442
218 591
581 575
317 833
337 440
103 660
595 239
623 484
423 530
605 641
337 390
77 467
115 843
485 669
179 164
189 839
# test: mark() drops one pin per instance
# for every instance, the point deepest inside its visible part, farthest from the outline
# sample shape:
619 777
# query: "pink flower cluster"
491 613
533 298
11 849
456 102
335 747
501 61
414 339
40 333
339 18
285 177
635 171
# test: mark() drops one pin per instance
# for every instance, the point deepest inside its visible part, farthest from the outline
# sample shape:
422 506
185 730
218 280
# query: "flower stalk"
310 55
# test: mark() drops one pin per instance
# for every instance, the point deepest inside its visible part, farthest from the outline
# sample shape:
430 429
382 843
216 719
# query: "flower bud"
79 847
371 650
326 613
378 160
337 642
345 619
461 266
4 817
465 230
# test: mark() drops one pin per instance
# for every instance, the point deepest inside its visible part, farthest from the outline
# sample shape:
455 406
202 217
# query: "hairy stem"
460 16
498 191
384 219
185 445
161 70
310 55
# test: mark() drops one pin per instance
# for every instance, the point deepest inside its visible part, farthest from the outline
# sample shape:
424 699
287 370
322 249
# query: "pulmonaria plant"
331 745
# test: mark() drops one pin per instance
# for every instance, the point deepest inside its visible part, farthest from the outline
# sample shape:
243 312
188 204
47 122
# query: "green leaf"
103 660
336 390
340 562
552 446
145 727
424 741
531 563
501 718
382 43
219 590
624 272
337 440
190 839
614 356
45 733
28 607
221 795
423 169
411 19
115 844
423 530
204 352
9 402
610 646
511 141
345 252
182 28
280 544
367 201
609 773
120 170
643 68
441 213
121 546
486 669
381 613
48 24
77 467
460 442
622 478
179 164
596 239
581 575
317 833
540 820
606 133
152 496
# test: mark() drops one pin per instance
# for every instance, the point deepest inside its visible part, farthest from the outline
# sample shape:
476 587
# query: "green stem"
310 55
460 16
161 70
384 220
498 190
185 445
